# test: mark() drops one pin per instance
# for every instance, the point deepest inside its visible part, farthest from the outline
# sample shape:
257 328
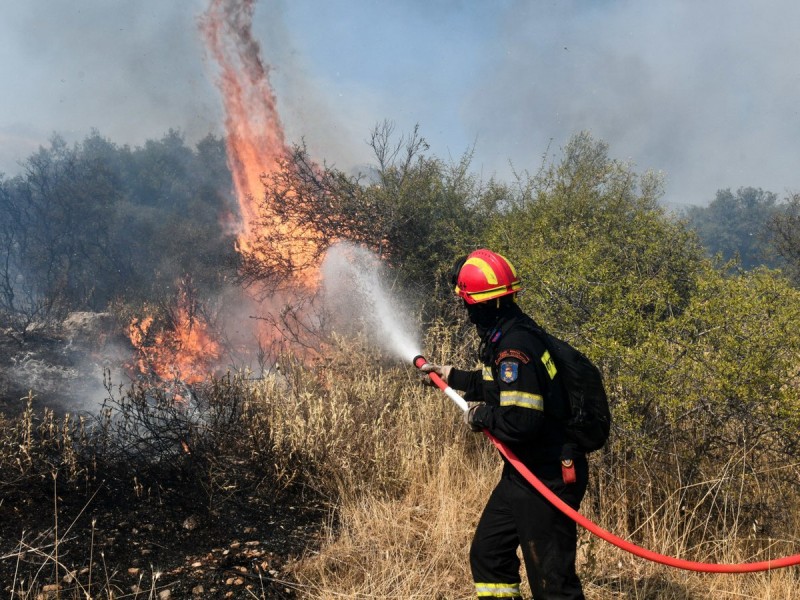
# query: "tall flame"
254 133
255 137
257 153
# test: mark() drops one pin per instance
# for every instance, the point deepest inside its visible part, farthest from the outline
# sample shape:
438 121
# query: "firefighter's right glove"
442 371
469 417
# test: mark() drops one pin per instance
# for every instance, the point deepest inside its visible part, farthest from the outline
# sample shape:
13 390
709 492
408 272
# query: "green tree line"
749 226
92 223
699 358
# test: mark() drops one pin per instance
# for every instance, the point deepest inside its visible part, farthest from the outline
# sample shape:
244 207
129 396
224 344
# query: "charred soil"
151 493
161 542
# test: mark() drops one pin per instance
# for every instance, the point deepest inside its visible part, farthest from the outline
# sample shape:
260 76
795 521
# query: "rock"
88 328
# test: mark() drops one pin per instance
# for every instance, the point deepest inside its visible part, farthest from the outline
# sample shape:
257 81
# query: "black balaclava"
486 315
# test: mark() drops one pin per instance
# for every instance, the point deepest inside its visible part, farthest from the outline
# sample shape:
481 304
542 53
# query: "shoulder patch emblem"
509 371
518 354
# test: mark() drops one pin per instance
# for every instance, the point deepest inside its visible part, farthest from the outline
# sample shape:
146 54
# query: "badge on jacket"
508 371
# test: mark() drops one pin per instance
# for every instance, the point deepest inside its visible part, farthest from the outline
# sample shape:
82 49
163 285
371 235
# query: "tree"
414 211
597 248
735 226
785 229
20 302
64 199
88 224
169 221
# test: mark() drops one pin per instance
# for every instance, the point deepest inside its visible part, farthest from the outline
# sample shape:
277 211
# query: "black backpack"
589 423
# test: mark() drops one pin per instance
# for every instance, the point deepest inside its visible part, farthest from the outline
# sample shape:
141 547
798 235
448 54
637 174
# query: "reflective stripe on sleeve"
487 373
497 590
522 399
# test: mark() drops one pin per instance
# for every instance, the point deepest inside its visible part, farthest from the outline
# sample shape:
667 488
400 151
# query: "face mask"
483 315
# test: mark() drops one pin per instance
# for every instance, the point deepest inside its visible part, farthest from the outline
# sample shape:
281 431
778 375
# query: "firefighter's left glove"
469 417
442 371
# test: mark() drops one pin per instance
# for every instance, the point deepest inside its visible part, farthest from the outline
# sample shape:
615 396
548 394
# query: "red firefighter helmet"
486 275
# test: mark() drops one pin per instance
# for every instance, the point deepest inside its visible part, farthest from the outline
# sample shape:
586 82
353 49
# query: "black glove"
469 417
442 371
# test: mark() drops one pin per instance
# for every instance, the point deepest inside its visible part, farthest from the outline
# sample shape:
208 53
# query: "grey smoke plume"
706 92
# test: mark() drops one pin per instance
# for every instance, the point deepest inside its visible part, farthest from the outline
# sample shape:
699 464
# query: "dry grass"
404 483
409 483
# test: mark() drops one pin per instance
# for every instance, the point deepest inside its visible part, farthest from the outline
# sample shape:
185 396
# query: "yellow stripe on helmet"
494 292
486 269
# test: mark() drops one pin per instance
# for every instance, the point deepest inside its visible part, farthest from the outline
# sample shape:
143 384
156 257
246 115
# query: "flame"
187 350
257 154
255 139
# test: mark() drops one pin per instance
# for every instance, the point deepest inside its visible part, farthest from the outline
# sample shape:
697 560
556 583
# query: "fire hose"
750 567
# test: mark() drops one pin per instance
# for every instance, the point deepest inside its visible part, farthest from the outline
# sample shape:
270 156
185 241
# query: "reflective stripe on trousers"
497 590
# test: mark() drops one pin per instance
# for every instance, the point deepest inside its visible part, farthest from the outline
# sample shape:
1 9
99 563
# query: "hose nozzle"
419 361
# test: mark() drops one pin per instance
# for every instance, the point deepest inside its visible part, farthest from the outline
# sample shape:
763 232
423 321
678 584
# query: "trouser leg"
493 554
548 539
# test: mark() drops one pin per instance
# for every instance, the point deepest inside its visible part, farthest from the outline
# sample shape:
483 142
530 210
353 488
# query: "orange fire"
186 351
257 151
254 135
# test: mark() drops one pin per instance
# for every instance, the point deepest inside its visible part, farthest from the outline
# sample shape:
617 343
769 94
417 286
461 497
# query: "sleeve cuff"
459 379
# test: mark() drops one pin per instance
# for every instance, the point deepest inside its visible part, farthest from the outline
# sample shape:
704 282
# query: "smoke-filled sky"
707 92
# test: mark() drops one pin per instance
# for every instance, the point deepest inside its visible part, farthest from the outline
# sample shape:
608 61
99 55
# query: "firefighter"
510 396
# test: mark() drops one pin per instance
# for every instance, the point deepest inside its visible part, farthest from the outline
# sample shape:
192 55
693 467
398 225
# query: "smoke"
66 368
130 70
355 292
705 92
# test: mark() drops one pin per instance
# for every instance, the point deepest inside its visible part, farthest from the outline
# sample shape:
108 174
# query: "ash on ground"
61 365
188 522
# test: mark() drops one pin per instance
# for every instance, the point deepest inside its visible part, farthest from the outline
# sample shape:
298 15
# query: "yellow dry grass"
407 483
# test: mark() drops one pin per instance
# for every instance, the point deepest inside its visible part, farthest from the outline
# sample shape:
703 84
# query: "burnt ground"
115 531
239 550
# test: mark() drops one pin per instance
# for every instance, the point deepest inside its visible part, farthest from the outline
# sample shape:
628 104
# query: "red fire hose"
670 561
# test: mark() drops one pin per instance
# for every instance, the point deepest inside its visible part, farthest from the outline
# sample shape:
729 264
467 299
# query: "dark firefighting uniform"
514 383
